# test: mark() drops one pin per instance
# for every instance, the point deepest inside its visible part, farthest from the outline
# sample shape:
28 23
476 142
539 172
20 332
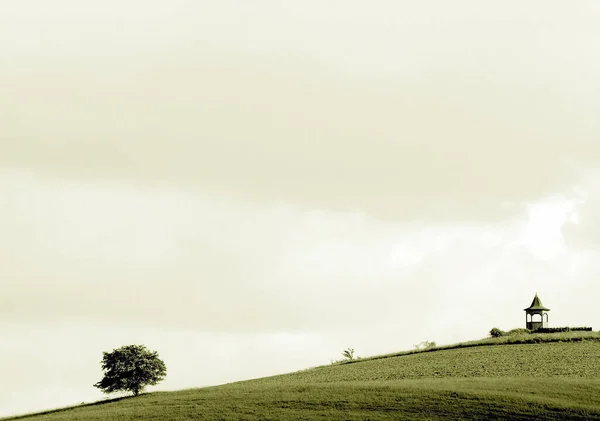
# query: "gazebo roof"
536 304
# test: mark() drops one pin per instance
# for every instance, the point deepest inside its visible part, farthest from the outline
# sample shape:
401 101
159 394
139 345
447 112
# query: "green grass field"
555 377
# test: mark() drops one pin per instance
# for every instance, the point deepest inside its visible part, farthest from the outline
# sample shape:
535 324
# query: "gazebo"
536 315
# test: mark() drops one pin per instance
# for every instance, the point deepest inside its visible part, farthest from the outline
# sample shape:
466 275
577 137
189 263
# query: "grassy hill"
542 377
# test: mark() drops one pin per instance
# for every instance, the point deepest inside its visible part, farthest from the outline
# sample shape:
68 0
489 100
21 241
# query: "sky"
250 188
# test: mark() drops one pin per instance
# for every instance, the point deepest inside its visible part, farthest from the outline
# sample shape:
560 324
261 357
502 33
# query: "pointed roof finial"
536 304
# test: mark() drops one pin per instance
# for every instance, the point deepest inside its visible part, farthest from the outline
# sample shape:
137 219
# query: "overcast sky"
251 187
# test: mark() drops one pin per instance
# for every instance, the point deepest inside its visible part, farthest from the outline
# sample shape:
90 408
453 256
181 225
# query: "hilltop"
543 377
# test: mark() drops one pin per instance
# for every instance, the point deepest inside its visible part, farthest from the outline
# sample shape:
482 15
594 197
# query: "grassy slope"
556 380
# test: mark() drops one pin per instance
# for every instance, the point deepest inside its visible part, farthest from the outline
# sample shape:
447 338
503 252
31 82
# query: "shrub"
425 345
348 354
496 333
518 331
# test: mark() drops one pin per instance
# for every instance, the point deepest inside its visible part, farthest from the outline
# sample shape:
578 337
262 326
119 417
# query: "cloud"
584 231
454 127
176 258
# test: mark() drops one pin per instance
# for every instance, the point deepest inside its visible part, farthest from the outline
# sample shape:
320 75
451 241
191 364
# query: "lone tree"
130 369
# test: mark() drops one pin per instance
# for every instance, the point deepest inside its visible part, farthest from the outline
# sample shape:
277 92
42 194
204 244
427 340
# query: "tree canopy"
131 368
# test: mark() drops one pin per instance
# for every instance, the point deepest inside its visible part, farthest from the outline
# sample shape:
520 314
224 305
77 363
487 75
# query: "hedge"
562 329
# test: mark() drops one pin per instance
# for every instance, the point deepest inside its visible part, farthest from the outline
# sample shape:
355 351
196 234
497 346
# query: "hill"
555 377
